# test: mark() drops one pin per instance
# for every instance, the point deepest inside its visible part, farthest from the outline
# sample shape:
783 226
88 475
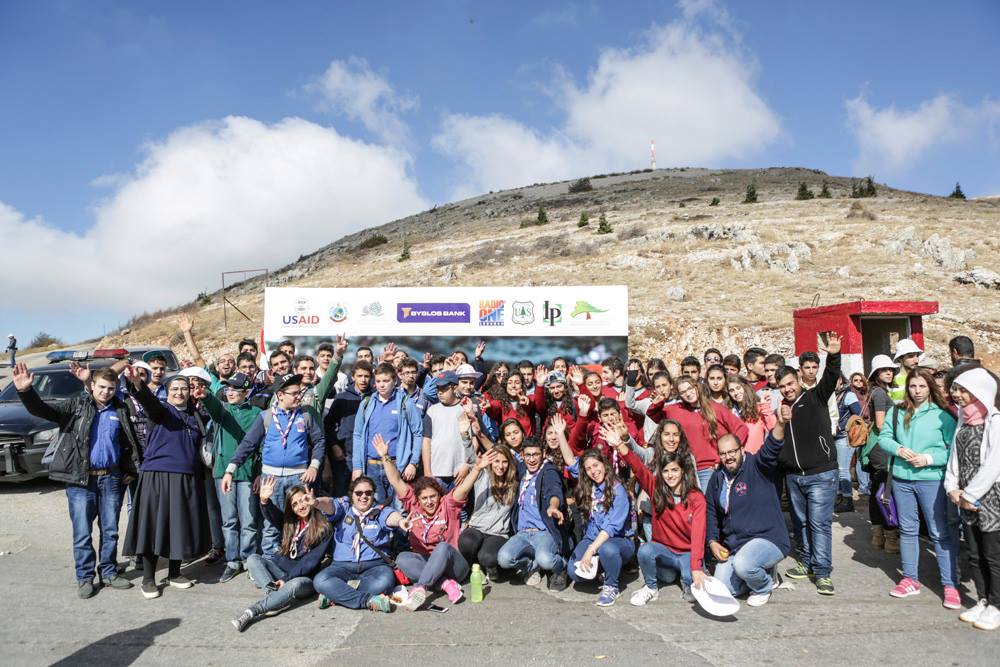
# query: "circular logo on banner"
301 305
338 313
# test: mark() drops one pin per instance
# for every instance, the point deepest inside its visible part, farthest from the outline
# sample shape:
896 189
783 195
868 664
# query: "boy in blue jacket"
745 527
291 441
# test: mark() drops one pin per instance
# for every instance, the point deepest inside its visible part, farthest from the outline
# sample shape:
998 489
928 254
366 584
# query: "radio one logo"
430 313
551 313
491 313
338 313
522 312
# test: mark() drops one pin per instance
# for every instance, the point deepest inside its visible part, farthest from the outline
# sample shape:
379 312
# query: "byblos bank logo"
412 313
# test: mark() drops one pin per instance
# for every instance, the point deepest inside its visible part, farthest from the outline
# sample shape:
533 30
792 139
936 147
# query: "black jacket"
547 484
71 449
307 564
809 448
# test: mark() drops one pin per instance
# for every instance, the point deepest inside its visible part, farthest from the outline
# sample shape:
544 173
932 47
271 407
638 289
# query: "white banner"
590 311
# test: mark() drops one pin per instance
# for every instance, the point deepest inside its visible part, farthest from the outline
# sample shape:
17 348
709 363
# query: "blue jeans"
929 496
812 498
750 567
611 556
704 476
659 563
531 550
864 479
240 521
445 562
844 454
272 534
375 578
100 499
264 571
384 493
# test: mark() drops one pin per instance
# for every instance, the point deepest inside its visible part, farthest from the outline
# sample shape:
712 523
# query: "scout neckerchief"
293 549
277 424
527 481
359 525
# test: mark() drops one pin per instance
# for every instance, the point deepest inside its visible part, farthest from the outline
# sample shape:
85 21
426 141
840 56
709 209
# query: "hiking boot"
244 619
180 581
972 614
150 590
229 574
906 587
380 603
608 596
644 596
85 589
558 581
417 598
119 583
824 586
843 504
878 537
892 540
686 594
799 572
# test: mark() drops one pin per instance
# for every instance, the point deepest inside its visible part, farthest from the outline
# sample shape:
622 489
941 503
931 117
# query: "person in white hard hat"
908 357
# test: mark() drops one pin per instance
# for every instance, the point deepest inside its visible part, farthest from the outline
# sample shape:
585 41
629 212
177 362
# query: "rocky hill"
700 272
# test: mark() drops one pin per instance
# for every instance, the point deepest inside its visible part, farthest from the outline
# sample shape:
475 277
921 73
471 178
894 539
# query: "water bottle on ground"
476 584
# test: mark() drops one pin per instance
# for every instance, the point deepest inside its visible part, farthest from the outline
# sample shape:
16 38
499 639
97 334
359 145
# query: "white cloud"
891 140
351 87
227 194
688 88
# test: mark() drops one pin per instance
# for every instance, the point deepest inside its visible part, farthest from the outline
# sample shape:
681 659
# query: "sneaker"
229 574
85 589
989 619
244 619
952 598
558 581
119 583
686 594
150 590
180 581
758 599
644 596
905 588
214 556
533 579
453 589
800 571
417 598
380 603
492 574
972 614
824 586
843 504
608 596
324 602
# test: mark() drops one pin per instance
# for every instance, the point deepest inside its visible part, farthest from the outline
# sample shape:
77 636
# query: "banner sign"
581 321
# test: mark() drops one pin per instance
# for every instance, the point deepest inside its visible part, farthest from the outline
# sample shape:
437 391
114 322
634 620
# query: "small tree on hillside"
603 226
714 202
543 217
824 193
43 339
405 255
751 195
584 220
581 185
804 192
866 188
957 192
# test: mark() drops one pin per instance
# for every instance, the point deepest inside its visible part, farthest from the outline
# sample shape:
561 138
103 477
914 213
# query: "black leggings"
984 559
149 569
479 547
878 477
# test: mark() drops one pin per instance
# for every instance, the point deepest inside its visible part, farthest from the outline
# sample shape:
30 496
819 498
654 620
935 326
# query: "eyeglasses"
364 494
730 453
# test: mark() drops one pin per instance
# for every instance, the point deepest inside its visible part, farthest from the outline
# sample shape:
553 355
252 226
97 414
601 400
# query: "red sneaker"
952 599
905 588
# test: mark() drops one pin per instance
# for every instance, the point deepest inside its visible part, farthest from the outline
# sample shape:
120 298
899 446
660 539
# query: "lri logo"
552 313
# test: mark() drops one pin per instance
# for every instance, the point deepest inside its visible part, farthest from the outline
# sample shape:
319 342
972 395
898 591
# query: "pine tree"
405 255
867 188
957 192
751 195
584 220
825 192
804 192
603 226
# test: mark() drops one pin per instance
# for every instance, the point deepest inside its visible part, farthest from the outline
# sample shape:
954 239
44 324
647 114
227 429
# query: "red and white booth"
867 328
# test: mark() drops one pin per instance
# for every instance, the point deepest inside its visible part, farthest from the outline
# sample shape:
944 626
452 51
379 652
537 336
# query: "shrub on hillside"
714 202
603 226
957 192
584 220
405 255
43 339
804 192
543 217
866 188
751 194
581 185
204 299
824 193
373 241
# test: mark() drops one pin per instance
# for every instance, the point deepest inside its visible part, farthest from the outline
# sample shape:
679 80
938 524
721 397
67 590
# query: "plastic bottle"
476 584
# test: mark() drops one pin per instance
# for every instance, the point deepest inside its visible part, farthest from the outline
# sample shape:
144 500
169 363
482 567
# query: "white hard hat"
143 365
197 372
10 335
904 347
881 362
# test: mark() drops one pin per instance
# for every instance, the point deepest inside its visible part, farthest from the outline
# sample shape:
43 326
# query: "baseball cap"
197 372
445 378
555 377
286 380
237 381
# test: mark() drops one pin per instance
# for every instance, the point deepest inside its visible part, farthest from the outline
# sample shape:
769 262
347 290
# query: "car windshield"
49 385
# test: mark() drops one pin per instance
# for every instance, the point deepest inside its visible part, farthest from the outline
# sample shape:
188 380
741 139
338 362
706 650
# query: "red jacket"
586 434
611 392
538 403
501 412
680 528
696 428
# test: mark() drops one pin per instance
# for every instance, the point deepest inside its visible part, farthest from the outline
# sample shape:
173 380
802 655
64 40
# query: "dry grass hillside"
727 275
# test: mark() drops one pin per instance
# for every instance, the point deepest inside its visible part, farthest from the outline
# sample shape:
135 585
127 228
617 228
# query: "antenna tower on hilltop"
652 154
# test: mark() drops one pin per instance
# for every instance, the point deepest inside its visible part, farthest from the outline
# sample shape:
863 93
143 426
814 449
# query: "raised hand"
80 371
833 343
484 404
484 461
541 374
187 363
22 378
132 375
389 352
467 406
610 434
784 414
576 375
185 323
480 349
341 346
380 445
267 486
584 402
427 360
404 524
558 423
451 363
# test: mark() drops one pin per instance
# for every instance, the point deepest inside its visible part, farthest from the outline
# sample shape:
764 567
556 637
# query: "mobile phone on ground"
436 607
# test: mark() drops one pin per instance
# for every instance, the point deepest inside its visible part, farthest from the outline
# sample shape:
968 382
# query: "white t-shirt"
448 452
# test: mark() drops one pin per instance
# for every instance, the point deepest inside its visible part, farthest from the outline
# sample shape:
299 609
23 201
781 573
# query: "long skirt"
169 517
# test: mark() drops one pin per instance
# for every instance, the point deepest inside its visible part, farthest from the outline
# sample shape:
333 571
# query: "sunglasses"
364 494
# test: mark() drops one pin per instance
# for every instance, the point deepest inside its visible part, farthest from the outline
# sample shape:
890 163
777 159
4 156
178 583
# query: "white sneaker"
758 599
644 596
972 614
989 619
534 578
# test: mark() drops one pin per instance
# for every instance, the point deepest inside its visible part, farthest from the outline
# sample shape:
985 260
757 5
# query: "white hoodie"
980 384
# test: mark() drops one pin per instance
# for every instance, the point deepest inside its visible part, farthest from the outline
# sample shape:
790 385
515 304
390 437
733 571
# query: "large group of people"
341 483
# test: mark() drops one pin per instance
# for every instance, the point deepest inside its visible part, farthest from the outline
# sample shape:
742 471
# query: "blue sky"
129 128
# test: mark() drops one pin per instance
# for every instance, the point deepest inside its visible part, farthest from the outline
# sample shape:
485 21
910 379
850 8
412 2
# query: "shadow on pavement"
120 648
41 486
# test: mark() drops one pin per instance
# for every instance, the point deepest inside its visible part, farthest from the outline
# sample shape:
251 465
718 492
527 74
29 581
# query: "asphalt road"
44 622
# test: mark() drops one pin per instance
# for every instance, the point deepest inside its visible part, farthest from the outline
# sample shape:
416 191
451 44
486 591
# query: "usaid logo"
300 320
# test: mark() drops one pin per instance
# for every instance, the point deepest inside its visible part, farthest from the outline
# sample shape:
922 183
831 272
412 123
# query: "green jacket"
931 432
232 423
